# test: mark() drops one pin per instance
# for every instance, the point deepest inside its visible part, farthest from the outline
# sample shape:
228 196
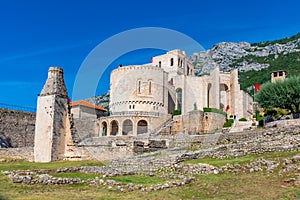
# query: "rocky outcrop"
226 55
101 100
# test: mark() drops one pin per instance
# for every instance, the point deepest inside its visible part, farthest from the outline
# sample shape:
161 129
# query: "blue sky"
38 34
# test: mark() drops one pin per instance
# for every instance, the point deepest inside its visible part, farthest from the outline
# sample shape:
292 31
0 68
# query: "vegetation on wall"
228 123
176 112
214 110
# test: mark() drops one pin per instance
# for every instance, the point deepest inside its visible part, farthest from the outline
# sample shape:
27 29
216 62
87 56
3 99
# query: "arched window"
208 95
179 98
150 87
127 127
171 62
114 127
159 63
178 62
142 127
139 87
104 129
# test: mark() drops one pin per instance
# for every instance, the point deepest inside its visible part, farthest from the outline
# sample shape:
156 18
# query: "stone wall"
198 122
283 123
17 128
25 153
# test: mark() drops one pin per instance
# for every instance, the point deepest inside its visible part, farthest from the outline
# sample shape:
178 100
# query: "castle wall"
17 127
198 122
139 88
25 153
153 122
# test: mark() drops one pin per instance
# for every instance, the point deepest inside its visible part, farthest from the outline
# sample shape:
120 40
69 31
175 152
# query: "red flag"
256 87
227 108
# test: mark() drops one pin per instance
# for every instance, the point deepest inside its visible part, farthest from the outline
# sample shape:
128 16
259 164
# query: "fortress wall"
17 127
198 122
143 87
25 153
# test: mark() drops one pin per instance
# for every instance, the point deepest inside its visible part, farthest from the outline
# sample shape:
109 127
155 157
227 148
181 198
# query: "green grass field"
258 185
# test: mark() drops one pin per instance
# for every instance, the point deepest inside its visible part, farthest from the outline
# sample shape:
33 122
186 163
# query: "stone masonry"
51 120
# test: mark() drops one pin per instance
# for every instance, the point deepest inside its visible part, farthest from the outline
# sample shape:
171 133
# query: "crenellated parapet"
136 67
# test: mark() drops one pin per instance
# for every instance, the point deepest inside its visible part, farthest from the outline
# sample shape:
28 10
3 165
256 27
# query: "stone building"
83 110
143 97
278 75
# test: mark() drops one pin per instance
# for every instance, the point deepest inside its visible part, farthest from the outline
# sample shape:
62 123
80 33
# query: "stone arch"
104 128
223 96
127 127
178 99
114 127
142 126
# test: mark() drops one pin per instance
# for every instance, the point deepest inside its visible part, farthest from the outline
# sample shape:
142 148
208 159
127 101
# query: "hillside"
254 61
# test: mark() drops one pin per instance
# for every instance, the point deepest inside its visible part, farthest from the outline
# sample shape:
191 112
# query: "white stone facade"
153 91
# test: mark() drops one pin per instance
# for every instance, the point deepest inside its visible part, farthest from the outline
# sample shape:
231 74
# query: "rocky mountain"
101 100
230 55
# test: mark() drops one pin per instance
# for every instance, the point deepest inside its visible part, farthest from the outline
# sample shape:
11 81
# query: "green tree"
281 94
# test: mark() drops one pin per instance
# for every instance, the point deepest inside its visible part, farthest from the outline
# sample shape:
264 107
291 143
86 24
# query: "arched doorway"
142 127
178 99
223 96
127 127
104 129
114 127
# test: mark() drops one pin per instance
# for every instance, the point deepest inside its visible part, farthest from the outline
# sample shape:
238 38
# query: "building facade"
143 97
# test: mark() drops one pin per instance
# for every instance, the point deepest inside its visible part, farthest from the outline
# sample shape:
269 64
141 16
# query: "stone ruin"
52 122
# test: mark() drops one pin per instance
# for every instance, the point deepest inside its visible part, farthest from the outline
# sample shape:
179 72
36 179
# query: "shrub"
243 119
228 123
176 112
261 123
214 110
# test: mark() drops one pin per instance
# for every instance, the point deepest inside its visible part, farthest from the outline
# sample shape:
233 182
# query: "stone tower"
51 118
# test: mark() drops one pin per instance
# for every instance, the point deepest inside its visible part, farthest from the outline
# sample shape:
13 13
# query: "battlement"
134 67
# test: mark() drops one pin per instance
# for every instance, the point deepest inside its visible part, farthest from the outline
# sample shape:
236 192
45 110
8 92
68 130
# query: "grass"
10 164
258 185
136 179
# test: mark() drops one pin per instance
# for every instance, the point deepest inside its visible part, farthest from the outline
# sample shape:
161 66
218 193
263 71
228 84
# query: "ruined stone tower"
51 118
